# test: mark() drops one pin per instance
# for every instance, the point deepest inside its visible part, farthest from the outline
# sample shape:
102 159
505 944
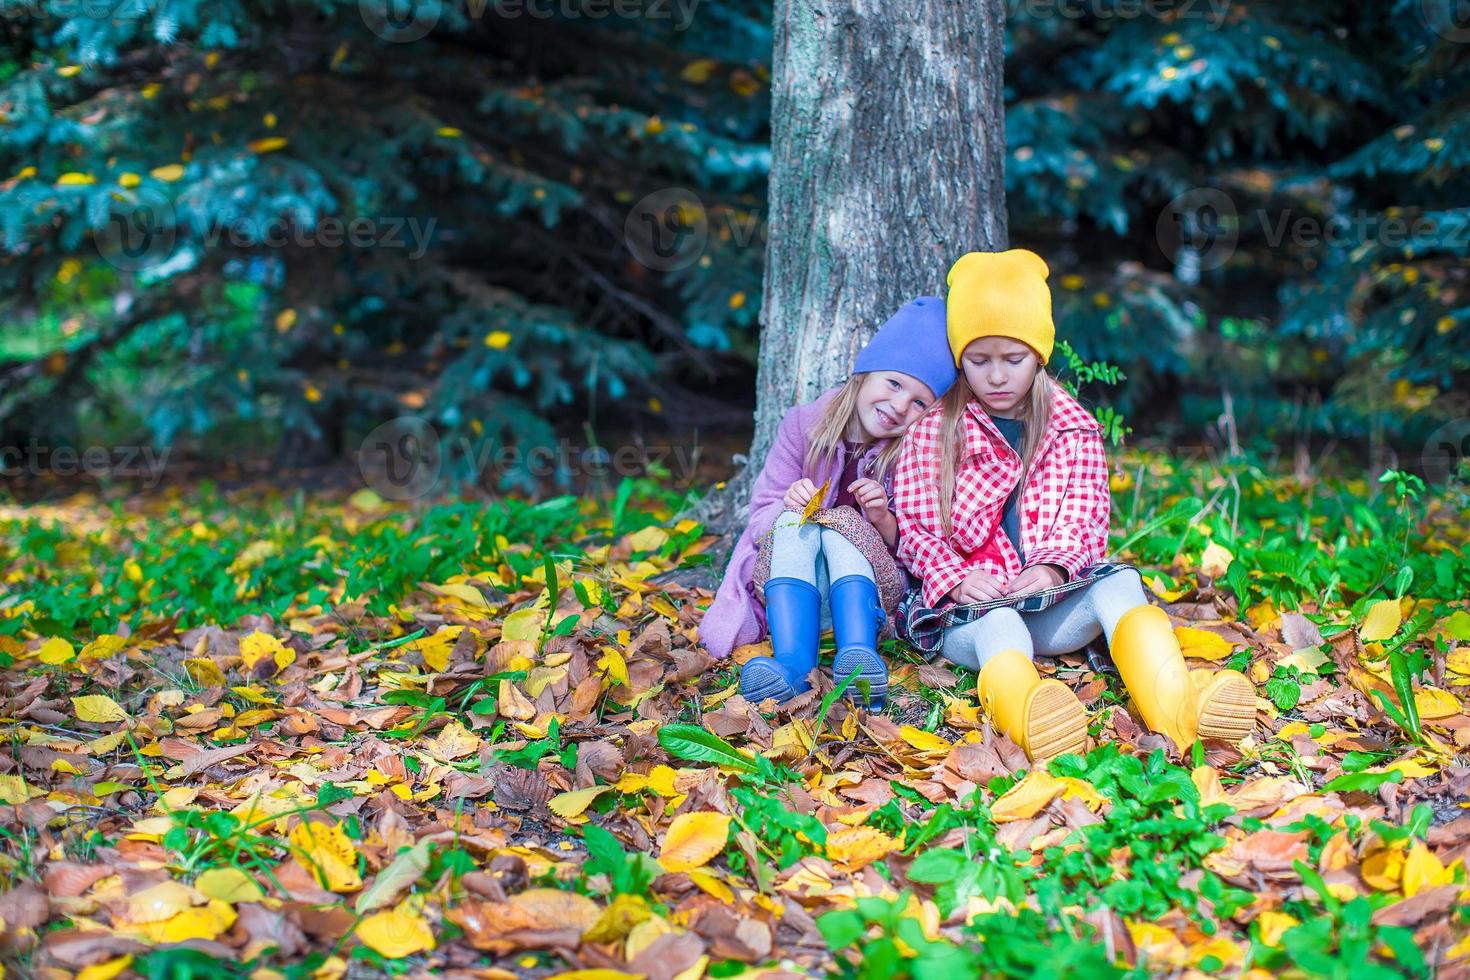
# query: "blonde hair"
1036 413
830 429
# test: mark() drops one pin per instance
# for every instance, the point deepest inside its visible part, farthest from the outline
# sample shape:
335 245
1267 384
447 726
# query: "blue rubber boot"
793 616
856 616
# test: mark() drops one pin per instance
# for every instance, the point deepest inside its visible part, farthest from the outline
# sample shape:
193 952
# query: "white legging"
1069 624
814 554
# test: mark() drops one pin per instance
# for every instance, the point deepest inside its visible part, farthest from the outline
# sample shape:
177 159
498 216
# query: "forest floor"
275 733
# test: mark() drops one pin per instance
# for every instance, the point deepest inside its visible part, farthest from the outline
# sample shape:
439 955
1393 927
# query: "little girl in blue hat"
845 443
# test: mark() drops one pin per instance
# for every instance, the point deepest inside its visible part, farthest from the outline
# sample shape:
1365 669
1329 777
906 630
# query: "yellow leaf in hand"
693 840
815 504
396 933
97 708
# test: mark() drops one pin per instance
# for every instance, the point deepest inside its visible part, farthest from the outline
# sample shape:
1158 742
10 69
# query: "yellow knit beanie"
1000 294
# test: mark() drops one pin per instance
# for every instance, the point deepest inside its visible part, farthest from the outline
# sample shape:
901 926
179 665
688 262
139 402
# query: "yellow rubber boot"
1225 702
1043 717
1173 700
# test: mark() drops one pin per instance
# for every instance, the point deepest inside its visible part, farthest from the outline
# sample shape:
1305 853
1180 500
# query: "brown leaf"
668 956
201 760
521 789
68 879
24 907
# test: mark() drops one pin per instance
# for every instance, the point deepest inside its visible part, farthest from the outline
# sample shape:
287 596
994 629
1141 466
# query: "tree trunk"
888 155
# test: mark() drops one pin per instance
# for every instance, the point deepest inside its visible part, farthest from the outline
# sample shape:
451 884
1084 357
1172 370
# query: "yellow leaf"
97 708
498 339
56 651
328 854
1307 660
103 646
229 885
1411 768
168 174
855 847
14 791
693 840
1272 924
204 672
618 919
571 804
257 646
206 922
1383 868
612 663
1202 644
437 647
926 742
523 624
267 145
1381 622
1263 615
105 970
1027 798
1080 789
1215 560
75 179
396 933
158 903
514 704
454 741
815 504
448 132
1423 870
711 885
648 539
1434 703
698 71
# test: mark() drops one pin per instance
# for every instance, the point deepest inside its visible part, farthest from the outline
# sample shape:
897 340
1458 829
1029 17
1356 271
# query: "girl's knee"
1125 585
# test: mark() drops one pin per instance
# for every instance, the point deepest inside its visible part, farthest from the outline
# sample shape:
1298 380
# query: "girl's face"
887 402
999 371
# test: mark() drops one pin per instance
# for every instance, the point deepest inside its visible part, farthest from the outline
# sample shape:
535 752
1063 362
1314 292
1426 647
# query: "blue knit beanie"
915 342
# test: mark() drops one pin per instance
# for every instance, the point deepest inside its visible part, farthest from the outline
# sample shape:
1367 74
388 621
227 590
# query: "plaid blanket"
924 628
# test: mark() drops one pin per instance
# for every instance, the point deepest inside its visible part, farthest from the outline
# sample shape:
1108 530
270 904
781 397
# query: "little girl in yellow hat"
1003 507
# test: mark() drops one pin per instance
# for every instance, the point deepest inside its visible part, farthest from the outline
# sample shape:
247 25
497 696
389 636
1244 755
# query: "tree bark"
888 155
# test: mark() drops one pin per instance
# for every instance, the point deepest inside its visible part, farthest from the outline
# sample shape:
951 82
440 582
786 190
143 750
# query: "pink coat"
736 617
1065 505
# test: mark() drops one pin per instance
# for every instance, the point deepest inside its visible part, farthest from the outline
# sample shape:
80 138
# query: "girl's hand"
1035 579
871 498
799 494
978 586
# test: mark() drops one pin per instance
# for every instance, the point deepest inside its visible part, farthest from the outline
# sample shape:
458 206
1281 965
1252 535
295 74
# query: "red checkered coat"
1065 506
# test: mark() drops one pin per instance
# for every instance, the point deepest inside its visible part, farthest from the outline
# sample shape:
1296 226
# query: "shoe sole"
1056 723
876 674
1229 710
761 681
